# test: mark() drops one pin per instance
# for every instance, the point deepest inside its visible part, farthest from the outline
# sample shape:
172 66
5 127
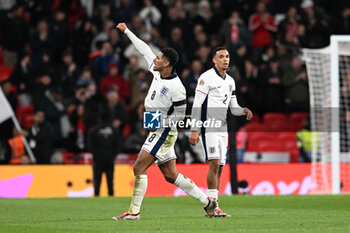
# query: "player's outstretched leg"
144 160
140 187
188 186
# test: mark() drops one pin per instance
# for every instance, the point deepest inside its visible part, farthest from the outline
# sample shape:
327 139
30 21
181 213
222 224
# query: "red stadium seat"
256 118
270 146
297 119
280 126
253 144
25 115
286 136
68 158
292 147
126 131
5 72
255 127
261 135
271 118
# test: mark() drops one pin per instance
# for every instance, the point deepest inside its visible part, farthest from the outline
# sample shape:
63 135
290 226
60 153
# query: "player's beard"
157 69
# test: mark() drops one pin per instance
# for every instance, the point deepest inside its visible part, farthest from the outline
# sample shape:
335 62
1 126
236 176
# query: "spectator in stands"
39 137
82 94
86 79
135 141
68 73
123 10
115 109
101 62
343 22
288 27
132 51
59 28
190 82
55 114
238 59
82 36
176 42
296 89
150 15
157 39
42 41
116 81
18 151
22 77
304 140
203 54
262 26
204 17
136 117
5 149
267 54
247 87
104 144
77 135
317 25
44 84
271 83
116 42
14 35
200 39
235 32
102 36
45 65
139 85
175 18
39 10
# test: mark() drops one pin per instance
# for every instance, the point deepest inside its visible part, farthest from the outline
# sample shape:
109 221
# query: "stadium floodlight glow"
328 73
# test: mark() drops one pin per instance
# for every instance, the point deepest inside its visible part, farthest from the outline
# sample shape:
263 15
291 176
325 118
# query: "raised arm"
141 46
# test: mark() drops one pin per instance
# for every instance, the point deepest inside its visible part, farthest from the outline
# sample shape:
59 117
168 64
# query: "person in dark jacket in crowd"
104 144
40 138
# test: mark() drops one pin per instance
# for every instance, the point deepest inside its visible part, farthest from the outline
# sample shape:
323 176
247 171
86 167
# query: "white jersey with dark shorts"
166 95
214 95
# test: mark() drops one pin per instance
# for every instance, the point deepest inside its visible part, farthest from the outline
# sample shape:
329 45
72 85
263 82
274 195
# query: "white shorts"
214 146
161 145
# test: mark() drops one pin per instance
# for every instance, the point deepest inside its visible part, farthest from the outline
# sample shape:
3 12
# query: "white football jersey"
218 91
166 94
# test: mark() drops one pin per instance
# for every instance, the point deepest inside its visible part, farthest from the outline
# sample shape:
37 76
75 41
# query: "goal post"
329 85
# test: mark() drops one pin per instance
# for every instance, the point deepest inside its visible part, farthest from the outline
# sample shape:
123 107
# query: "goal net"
329 85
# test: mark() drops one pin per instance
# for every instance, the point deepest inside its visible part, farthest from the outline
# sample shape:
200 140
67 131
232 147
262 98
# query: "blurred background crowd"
63 63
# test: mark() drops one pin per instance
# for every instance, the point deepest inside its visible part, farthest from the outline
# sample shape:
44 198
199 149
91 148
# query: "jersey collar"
218 73
173 75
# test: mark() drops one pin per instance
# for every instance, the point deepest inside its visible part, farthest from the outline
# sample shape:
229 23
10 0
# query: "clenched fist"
121 27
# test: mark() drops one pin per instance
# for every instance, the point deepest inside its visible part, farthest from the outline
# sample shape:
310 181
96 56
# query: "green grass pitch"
178 214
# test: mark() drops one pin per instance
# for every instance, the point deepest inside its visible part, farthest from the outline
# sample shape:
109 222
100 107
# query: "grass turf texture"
182 214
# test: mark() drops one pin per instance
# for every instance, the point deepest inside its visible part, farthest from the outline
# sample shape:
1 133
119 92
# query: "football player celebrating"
215 93
166 96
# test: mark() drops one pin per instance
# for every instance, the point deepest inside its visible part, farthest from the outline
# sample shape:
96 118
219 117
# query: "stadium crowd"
66 64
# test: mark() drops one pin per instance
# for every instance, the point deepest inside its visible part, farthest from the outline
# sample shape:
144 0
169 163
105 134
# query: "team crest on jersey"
230 87
211 150
164 90
201 83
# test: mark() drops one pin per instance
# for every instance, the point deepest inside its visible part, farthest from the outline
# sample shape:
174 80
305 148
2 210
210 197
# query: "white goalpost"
329 84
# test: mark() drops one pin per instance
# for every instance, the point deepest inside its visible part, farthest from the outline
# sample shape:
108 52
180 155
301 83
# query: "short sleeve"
179 94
